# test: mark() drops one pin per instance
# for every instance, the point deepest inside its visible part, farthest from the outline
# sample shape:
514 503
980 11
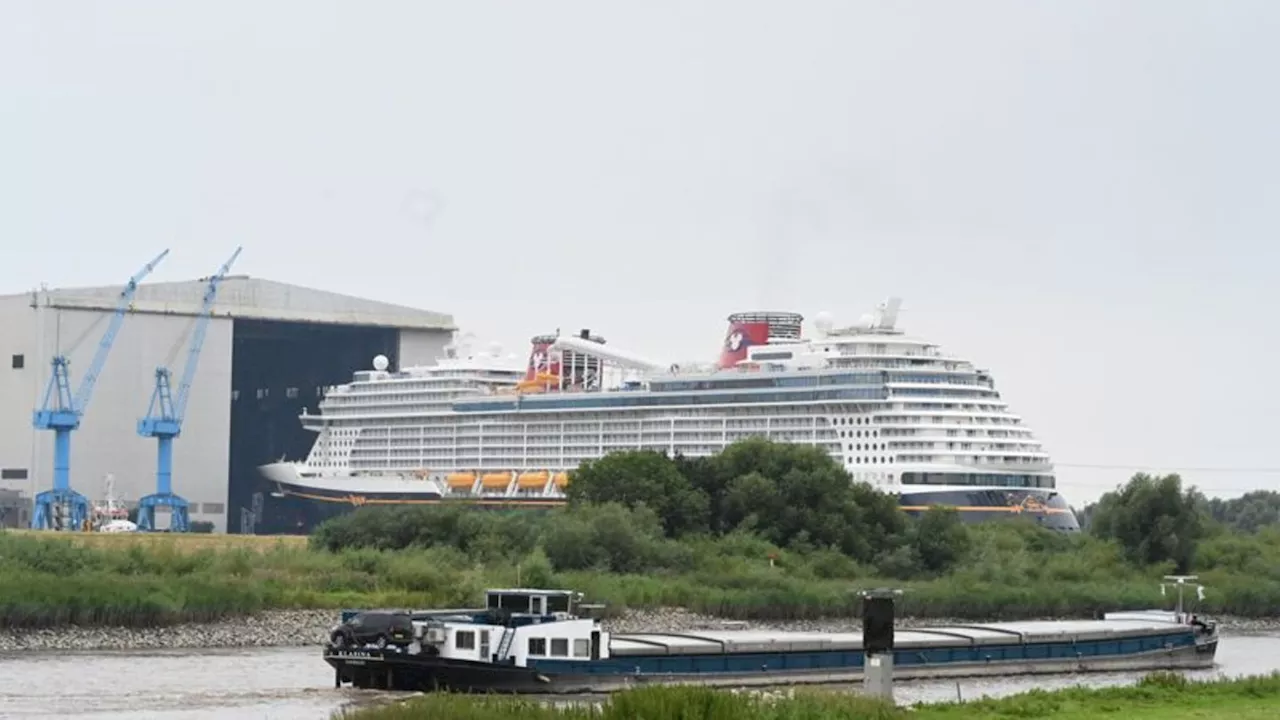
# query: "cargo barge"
535 641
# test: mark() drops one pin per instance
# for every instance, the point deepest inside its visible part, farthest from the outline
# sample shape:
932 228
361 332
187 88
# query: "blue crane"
165 415
62 507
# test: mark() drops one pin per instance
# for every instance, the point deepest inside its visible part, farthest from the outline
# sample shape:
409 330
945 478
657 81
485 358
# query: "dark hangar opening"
277 369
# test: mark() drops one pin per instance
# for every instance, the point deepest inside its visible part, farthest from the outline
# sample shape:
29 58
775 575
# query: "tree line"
637 512
1156 520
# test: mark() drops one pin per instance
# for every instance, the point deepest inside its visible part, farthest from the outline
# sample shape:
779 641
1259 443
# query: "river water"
295 684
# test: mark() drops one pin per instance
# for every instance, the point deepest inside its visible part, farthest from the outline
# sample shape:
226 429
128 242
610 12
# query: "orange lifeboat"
561 480
461 482
495 481
533 480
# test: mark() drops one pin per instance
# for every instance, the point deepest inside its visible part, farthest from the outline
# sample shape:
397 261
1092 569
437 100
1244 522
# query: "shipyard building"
270 351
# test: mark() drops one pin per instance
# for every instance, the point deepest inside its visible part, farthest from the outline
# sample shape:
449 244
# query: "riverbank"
294 628
1160 696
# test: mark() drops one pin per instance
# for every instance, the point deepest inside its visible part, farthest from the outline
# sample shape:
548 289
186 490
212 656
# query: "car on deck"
374 627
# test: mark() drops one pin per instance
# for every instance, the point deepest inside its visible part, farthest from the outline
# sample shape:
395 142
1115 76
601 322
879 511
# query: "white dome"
380 363
823 322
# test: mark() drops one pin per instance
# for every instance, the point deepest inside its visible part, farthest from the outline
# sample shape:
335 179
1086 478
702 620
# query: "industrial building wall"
107 441
19 374
421 347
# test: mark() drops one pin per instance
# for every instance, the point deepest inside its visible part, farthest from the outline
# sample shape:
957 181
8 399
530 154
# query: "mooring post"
877 641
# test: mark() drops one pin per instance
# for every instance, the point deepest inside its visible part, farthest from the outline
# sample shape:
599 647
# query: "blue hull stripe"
818 660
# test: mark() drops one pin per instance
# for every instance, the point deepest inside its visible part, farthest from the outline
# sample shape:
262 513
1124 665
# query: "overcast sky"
1081 196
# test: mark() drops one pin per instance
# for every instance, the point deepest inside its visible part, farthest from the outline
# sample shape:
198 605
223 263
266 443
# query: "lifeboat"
495 481
561 480
533 480
461 482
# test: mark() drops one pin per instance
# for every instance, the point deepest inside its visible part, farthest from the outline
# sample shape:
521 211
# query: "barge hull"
396 671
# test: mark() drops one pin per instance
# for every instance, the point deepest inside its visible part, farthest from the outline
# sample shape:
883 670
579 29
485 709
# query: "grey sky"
1081 196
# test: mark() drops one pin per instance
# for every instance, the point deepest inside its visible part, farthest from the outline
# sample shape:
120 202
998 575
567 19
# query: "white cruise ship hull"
357 489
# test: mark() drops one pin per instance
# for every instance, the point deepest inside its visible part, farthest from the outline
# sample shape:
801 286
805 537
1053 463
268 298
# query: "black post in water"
877 641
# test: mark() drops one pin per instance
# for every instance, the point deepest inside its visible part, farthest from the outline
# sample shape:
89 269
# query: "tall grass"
1008 572
684 703
1163 695
184 542
56 580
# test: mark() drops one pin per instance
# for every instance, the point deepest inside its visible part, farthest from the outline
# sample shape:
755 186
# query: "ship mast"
1181 582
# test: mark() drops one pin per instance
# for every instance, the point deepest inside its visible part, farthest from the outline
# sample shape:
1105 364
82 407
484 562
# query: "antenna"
1181 582
887 313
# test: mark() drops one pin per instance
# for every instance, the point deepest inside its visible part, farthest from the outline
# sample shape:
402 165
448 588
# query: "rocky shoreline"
292 628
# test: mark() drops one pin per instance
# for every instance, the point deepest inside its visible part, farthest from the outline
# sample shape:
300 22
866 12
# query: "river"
294 684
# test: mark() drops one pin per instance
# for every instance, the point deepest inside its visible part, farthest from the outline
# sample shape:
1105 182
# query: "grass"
181 542
143 580
1162 696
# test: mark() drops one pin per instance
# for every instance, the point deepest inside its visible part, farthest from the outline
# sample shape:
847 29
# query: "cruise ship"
490 429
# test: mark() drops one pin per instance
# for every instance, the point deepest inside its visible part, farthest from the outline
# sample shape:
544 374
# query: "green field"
1157 697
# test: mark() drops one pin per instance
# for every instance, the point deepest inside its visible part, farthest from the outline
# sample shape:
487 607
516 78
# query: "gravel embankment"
277 628
310 627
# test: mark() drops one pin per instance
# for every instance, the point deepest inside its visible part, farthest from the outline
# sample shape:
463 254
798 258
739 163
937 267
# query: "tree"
795 496
940 538
707 475
1084 515
876 522
635 478
1153 519
1250 512
605 537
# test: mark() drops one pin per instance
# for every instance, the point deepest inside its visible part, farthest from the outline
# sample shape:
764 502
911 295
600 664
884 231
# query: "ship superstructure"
893 409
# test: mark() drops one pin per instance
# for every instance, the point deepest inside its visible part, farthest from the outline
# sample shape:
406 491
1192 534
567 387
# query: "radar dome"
380 363
823 322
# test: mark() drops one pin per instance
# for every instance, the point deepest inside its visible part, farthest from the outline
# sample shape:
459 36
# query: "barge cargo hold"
518 645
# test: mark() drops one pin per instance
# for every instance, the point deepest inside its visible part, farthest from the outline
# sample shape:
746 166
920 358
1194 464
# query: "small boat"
541 641
110 515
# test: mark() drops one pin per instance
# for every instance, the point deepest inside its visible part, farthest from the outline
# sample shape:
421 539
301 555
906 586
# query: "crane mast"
61 411
166 413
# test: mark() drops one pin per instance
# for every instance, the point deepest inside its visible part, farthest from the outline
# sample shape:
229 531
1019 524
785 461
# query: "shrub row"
1010 572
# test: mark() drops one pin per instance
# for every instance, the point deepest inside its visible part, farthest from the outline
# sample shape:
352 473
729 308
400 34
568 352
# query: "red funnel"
756 328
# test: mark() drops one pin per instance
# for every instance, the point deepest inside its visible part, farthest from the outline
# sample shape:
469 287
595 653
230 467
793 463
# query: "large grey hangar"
270 351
